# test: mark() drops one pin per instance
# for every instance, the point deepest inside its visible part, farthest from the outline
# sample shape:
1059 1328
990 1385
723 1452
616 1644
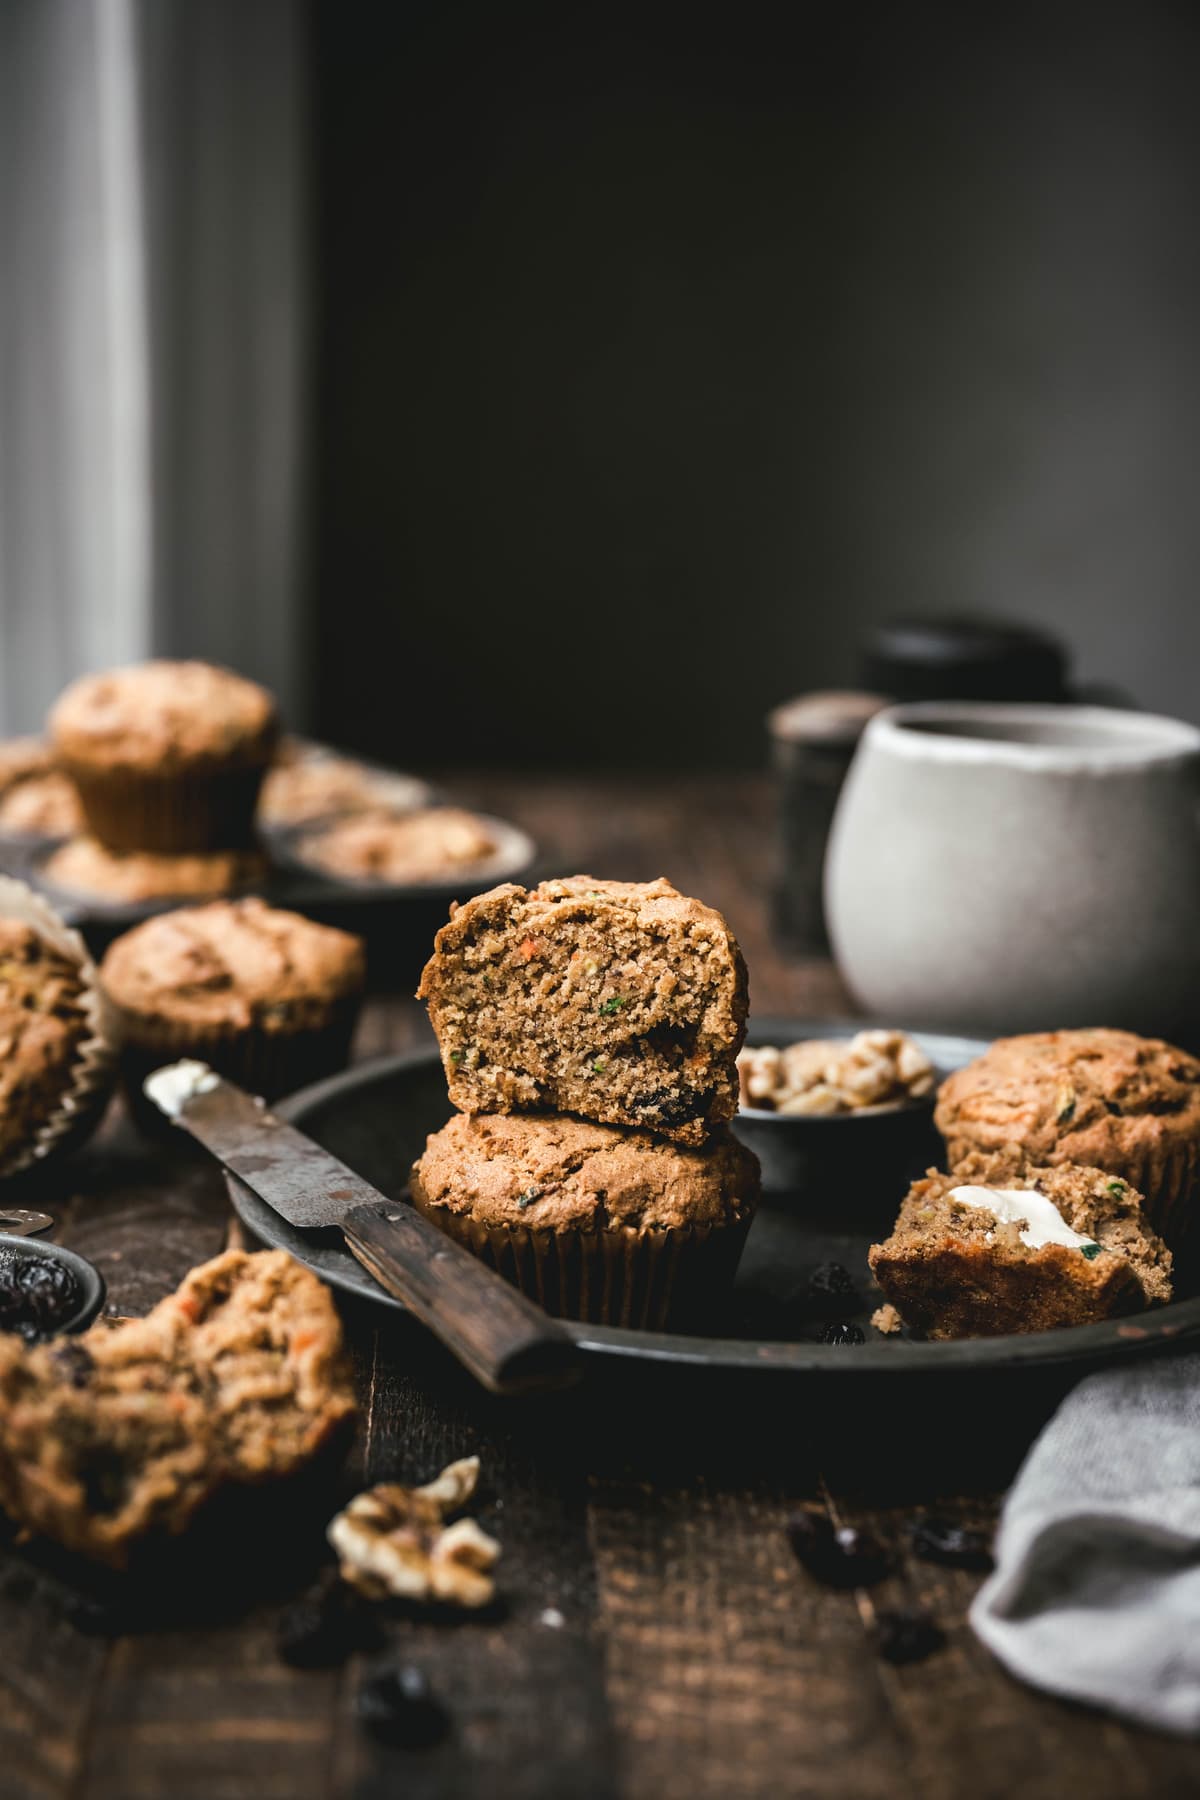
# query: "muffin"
1107 1099
56 1057
623 1002
615 1227
998 1247
167 756
267 997
36 799
308 782
84 869
435 843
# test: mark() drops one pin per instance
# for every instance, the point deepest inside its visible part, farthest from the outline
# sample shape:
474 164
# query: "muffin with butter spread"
998 1246
267 997
167 756
594 1222
1107 1099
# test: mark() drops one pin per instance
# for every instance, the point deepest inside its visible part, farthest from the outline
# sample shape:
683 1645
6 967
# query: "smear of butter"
171 1088
1043 1223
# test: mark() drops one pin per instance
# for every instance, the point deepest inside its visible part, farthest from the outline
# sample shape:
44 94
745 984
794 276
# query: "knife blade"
507 1342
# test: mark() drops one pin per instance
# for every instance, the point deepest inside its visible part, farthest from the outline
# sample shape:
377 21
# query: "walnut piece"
818 1075
394 1540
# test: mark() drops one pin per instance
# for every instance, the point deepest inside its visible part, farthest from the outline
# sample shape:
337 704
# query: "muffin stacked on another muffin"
589 1031
267 997
168 759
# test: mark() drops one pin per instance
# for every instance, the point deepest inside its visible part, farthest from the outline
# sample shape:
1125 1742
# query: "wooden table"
658 1640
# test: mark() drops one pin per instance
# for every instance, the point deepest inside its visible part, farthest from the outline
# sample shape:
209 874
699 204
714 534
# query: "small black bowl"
867 1157
90 1281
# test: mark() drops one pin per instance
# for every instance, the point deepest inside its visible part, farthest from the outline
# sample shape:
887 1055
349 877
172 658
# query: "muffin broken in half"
622 1002
997 1247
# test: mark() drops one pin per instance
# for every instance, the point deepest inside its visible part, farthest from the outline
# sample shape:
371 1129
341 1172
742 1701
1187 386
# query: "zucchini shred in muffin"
167 756
613 1226
621 1002
1107 1099
267 997
970 1256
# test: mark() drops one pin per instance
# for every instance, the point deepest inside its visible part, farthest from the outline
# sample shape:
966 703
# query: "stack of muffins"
589 1030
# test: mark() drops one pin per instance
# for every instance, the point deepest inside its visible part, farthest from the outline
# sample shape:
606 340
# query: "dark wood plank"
657 1637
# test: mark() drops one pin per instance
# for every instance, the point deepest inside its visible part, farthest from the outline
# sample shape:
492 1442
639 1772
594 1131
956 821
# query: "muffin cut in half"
616 1227
624 1002
997 1247
1106 1099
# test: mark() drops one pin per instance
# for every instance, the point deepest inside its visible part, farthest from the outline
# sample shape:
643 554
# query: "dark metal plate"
376 1118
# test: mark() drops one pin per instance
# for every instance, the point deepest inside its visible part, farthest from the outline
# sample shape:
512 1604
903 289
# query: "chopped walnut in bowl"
824 1077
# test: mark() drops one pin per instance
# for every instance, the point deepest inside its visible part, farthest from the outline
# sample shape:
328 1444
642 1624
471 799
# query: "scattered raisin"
843 1333
398 1706
941 1541
907 1636
841 1558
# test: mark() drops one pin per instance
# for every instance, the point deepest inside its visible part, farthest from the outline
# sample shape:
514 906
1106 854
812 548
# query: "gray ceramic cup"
1019 868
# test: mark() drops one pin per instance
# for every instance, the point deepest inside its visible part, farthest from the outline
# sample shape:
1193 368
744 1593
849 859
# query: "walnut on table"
394 1541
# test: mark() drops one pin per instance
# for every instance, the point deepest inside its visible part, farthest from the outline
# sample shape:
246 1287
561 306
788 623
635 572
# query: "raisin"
844 1557
325 1626
73 1363
907 1636
665 1108
940 1541
398 1706
36 1294
105 1480
843 1333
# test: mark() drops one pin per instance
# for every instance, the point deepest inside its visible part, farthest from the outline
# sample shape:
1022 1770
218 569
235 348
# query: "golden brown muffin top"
42 1025
1078 1096
236 962
22 758
311 783
44 805
425 845
155 716
554 1173
87 868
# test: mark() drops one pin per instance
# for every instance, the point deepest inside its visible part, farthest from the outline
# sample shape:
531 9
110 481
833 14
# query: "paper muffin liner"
204 807
649 1280
268 1062
83 1103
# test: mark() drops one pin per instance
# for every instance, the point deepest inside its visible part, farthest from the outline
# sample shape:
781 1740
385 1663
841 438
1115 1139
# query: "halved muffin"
997 1247
619 1001
1104 1099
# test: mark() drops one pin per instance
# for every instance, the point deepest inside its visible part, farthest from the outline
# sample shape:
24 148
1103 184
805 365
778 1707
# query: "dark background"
660 351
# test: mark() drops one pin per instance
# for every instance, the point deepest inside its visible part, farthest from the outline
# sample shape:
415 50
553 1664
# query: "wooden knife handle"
507 1343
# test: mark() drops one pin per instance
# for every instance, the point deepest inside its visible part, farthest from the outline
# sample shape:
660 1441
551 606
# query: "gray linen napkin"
1096 1591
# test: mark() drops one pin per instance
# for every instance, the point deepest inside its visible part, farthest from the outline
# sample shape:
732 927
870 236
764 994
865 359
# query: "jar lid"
826 716
964 659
